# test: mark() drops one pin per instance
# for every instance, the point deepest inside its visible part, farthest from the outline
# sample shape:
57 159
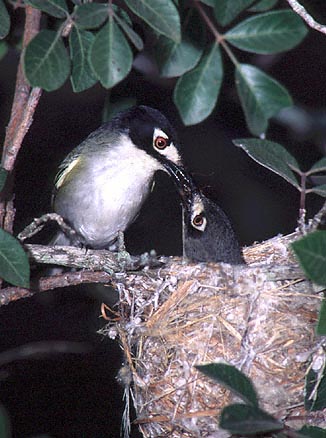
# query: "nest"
260 318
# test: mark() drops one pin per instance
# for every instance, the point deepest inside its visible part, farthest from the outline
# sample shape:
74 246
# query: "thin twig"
300 10
10 294
316 220
22 97
26 120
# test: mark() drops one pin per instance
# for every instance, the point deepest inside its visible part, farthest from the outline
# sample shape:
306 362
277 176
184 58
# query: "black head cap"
139 122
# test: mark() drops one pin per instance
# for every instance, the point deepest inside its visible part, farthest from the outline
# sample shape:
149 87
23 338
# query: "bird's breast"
107 194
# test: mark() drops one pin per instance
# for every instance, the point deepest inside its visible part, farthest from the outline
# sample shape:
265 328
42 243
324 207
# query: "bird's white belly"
112 199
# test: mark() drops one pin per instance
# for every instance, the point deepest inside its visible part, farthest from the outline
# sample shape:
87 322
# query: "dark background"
76 395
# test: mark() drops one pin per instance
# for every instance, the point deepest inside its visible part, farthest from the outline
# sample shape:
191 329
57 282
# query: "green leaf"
3 49
245 420
111 109
14 266
122 14
56 8
175 59
196 92
260 95
271 155
5 425
263 5
319 190
46 61
134 38
226 10
272 32
91 15
82 76
233 379
110 55
313 431
311 252
3 177
319 166
161 15
315 387
321 326
4 20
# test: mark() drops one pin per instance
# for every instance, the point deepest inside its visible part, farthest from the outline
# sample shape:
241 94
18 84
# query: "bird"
102 183
208 235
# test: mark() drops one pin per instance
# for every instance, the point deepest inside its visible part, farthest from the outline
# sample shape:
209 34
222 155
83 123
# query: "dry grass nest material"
260 318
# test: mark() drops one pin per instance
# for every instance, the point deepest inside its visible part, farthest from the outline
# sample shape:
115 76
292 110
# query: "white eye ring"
199 222
161 143
160 139
164 146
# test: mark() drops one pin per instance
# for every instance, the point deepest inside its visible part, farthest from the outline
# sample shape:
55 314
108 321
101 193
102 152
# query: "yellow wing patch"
63 173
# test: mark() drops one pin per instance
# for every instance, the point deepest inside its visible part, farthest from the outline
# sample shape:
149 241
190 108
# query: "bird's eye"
198 220
161 142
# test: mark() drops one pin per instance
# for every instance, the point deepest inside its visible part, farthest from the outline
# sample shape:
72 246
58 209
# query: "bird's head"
150 131
207 232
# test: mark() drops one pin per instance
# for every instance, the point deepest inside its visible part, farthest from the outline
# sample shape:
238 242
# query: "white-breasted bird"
102 184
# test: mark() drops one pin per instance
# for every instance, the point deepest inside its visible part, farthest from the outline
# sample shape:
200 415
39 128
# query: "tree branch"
24 102
102 266
300 10
9 294
91 259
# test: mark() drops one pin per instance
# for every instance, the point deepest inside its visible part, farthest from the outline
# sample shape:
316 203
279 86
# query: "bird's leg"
123 254
121 242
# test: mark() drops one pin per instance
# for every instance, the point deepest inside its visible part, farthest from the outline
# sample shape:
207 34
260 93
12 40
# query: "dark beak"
183 181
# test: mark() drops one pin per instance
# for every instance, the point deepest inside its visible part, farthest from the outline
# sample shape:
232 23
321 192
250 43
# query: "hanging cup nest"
260 318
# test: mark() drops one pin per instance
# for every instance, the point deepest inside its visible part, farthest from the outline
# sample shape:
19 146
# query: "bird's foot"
124 257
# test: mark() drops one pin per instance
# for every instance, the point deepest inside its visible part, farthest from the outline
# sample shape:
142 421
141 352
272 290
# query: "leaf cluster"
93 42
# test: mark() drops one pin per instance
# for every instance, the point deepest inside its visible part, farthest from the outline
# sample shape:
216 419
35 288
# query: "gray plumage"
103 182
208 235
215 239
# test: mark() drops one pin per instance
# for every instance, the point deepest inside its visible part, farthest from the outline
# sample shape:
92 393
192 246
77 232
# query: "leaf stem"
218 36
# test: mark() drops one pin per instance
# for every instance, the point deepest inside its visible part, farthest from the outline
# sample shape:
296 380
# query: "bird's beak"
183 181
